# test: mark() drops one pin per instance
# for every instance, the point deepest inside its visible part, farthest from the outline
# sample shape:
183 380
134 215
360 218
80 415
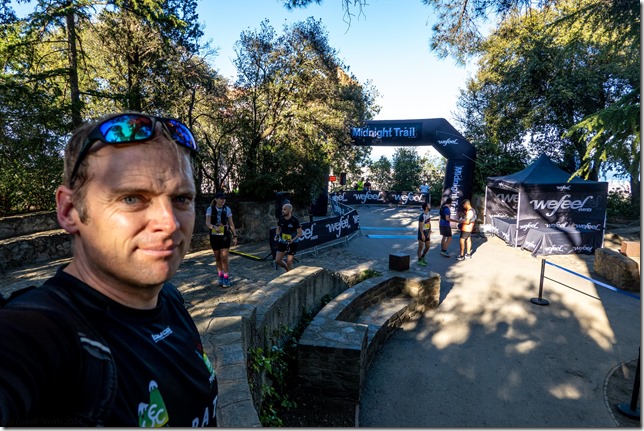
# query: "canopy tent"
541 197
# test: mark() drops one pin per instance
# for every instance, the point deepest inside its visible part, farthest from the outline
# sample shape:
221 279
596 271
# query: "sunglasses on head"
131 128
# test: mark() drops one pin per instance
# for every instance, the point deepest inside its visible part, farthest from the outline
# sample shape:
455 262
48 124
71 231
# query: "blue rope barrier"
607 286
386 228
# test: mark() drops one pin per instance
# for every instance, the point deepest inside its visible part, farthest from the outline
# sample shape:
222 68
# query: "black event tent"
540 198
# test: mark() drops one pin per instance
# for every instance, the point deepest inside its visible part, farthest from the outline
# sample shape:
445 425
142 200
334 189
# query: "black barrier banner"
565 205
355 197
322 231
500 203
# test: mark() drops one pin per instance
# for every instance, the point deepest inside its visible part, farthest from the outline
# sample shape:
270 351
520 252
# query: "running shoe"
421 262
460 257
468 255
226 282
221 280
444 253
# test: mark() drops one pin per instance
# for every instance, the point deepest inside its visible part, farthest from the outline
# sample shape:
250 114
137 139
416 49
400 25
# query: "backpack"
474 215
224 211
99 369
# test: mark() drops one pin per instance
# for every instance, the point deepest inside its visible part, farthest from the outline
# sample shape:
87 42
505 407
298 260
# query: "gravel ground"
196 279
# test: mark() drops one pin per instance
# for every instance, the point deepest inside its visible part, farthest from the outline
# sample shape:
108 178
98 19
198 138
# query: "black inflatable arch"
437 132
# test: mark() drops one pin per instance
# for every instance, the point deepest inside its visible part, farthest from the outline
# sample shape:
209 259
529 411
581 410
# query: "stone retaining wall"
37 237
336 350
230 329
620 271
26 224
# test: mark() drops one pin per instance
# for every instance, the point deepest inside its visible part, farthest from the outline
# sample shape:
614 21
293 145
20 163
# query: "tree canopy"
282 125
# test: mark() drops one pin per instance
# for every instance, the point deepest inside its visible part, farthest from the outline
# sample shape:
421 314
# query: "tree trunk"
72 56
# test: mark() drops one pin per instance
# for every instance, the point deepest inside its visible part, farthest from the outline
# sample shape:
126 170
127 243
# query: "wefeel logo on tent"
565 203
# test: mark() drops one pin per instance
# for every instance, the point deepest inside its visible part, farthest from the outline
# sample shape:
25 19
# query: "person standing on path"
287 234
424 231
466 226
219 219
424 189
444 226
107 329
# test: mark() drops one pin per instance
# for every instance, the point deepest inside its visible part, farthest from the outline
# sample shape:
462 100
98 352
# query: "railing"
544 262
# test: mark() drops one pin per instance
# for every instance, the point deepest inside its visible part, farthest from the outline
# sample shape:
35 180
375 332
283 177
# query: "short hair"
289 206
424 206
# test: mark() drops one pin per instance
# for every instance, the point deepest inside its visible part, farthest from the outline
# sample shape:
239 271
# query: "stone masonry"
621 271
336 350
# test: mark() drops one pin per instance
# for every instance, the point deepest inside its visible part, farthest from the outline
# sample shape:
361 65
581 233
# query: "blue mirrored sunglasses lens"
127 128
181 134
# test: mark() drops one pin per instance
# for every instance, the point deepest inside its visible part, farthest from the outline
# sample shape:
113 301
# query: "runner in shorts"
467 226
219 219
444 226
288 232
424 230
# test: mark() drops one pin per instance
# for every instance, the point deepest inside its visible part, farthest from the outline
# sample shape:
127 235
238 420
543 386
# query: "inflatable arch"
437 132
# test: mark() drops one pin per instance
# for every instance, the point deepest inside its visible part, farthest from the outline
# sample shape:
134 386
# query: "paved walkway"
487 357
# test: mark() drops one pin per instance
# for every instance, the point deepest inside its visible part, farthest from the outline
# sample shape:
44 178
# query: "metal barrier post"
540 300
631 410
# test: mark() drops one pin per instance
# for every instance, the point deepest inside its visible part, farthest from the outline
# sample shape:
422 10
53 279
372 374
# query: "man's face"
286 211
140 207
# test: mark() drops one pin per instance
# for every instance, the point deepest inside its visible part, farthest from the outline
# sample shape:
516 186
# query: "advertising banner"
322 231
565 205
500 203
354 197
438 133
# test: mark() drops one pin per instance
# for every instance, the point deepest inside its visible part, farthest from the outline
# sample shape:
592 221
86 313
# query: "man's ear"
65 211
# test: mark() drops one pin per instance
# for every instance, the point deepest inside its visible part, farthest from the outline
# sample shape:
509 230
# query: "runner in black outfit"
287 233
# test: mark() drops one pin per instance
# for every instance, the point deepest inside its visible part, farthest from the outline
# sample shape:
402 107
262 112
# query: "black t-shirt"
164 378
288 228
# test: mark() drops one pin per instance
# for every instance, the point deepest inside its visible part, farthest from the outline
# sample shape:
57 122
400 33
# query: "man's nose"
164 217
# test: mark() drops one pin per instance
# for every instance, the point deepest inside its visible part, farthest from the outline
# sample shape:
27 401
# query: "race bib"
218 230
427 226
286 237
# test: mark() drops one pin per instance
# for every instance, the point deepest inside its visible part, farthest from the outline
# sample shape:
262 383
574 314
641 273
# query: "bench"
337 348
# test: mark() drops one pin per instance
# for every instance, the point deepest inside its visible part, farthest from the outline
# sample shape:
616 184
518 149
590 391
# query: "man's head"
220 199
115 129
448 201
466 204
128 201
425 206
287 210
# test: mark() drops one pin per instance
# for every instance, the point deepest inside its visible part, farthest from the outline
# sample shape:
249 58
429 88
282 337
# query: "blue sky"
388 44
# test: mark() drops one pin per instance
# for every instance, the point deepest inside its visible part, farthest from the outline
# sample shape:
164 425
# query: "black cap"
220 195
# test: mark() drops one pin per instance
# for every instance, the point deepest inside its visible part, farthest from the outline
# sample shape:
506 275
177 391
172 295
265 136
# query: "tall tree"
295 104
407 169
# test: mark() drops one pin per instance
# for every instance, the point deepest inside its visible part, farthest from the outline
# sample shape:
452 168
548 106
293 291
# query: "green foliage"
294 103
367 274
621 207
381 174
433 171
407 169
271 362
540 74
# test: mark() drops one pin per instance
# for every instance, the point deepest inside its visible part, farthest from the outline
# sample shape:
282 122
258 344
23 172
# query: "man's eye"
183 200
131 200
